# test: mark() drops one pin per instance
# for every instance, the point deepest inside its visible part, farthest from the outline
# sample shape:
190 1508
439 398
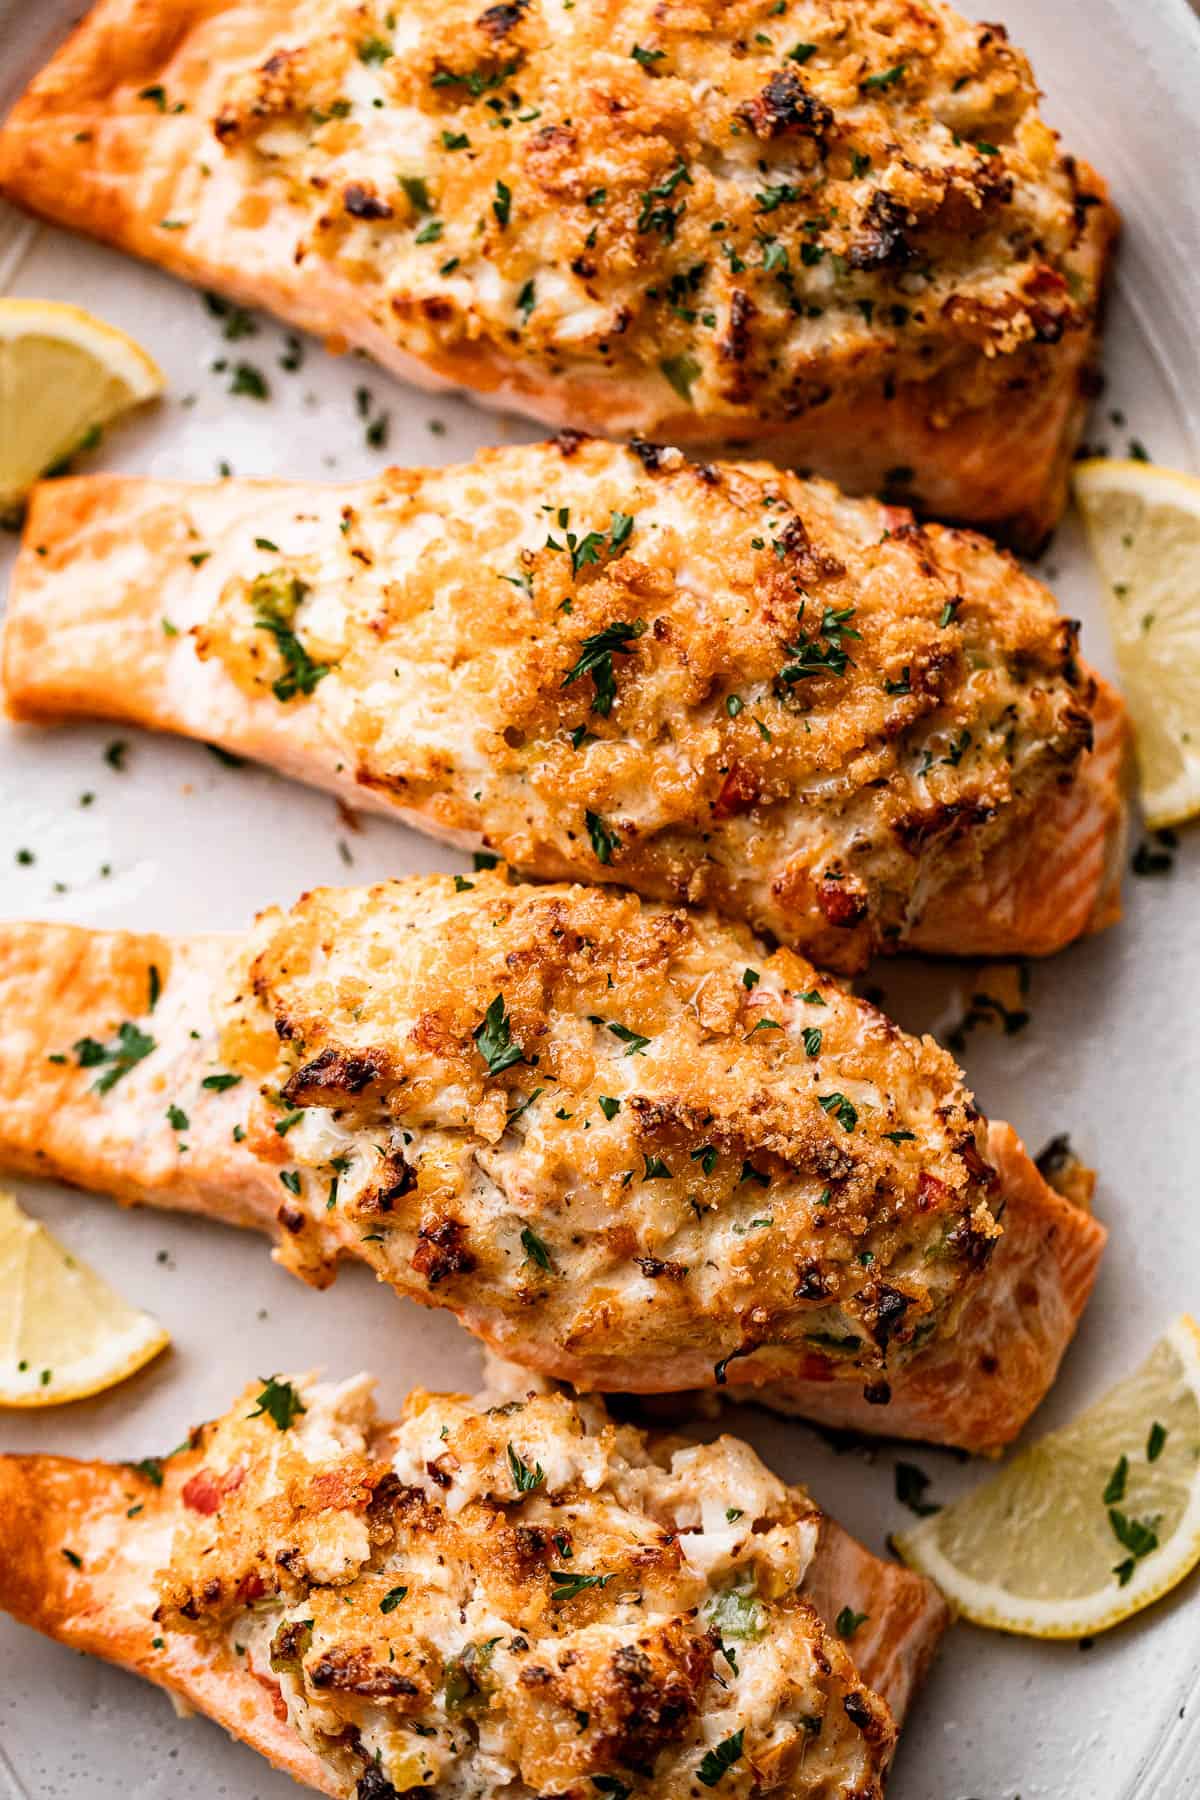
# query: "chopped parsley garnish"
647 58
535 1250
840 1108
681 372
765 1025
1155 1442
567 1586
290 1178
416 192
899 1137
664 219
1114 1487
249 380
596 654
494 1037
1133 1535
374 50
455 140
73 1557
824 653
220 1084
430 232
887 79
608 1106
392 1599
812 998
848 1622
284 1125
706 1156
279 1401
636 1042
655 1168
502 204
911 1483
801 53
604 841
126 1050
177 1119
155 985
276 598
150 1467
525 1479
718 1762
812 1040
527 300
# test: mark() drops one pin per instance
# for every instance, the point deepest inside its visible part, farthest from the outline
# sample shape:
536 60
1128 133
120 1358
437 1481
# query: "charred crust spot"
811 1283
361 203
647 1705
441 1251
651 456
290 1217
884 1308
354 1672
878 1393
498 21
396 1179
567 441
654 1269
786 108
374 1785
977 1166
972 1246
331 1072
859 1710
808 560
883 243
735 345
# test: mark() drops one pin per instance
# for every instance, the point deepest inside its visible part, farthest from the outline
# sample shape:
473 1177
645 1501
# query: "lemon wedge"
1143 524
1089 1525
63 376
64 1333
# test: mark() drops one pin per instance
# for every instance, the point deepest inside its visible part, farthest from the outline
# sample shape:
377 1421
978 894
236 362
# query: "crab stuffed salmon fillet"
723 686
523 1597
623 1143
840 236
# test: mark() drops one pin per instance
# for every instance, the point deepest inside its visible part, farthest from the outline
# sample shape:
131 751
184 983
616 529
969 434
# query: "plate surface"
180 843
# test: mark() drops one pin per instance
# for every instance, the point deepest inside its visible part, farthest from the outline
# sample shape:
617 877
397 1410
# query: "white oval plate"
1112 1053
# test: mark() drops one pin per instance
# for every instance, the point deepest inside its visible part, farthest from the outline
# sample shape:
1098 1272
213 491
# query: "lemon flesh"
64 1333
1143 524
63 376
1044 1548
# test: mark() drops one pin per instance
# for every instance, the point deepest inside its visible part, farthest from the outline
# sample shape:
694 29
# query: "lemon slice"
1090 1524
1144 526
64 1333
63 376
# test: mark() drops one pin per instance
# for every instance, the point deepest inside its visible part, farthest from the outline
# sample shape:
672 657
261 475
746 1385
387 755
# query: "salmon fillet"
723 686
625 1145
862 252
375 1611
